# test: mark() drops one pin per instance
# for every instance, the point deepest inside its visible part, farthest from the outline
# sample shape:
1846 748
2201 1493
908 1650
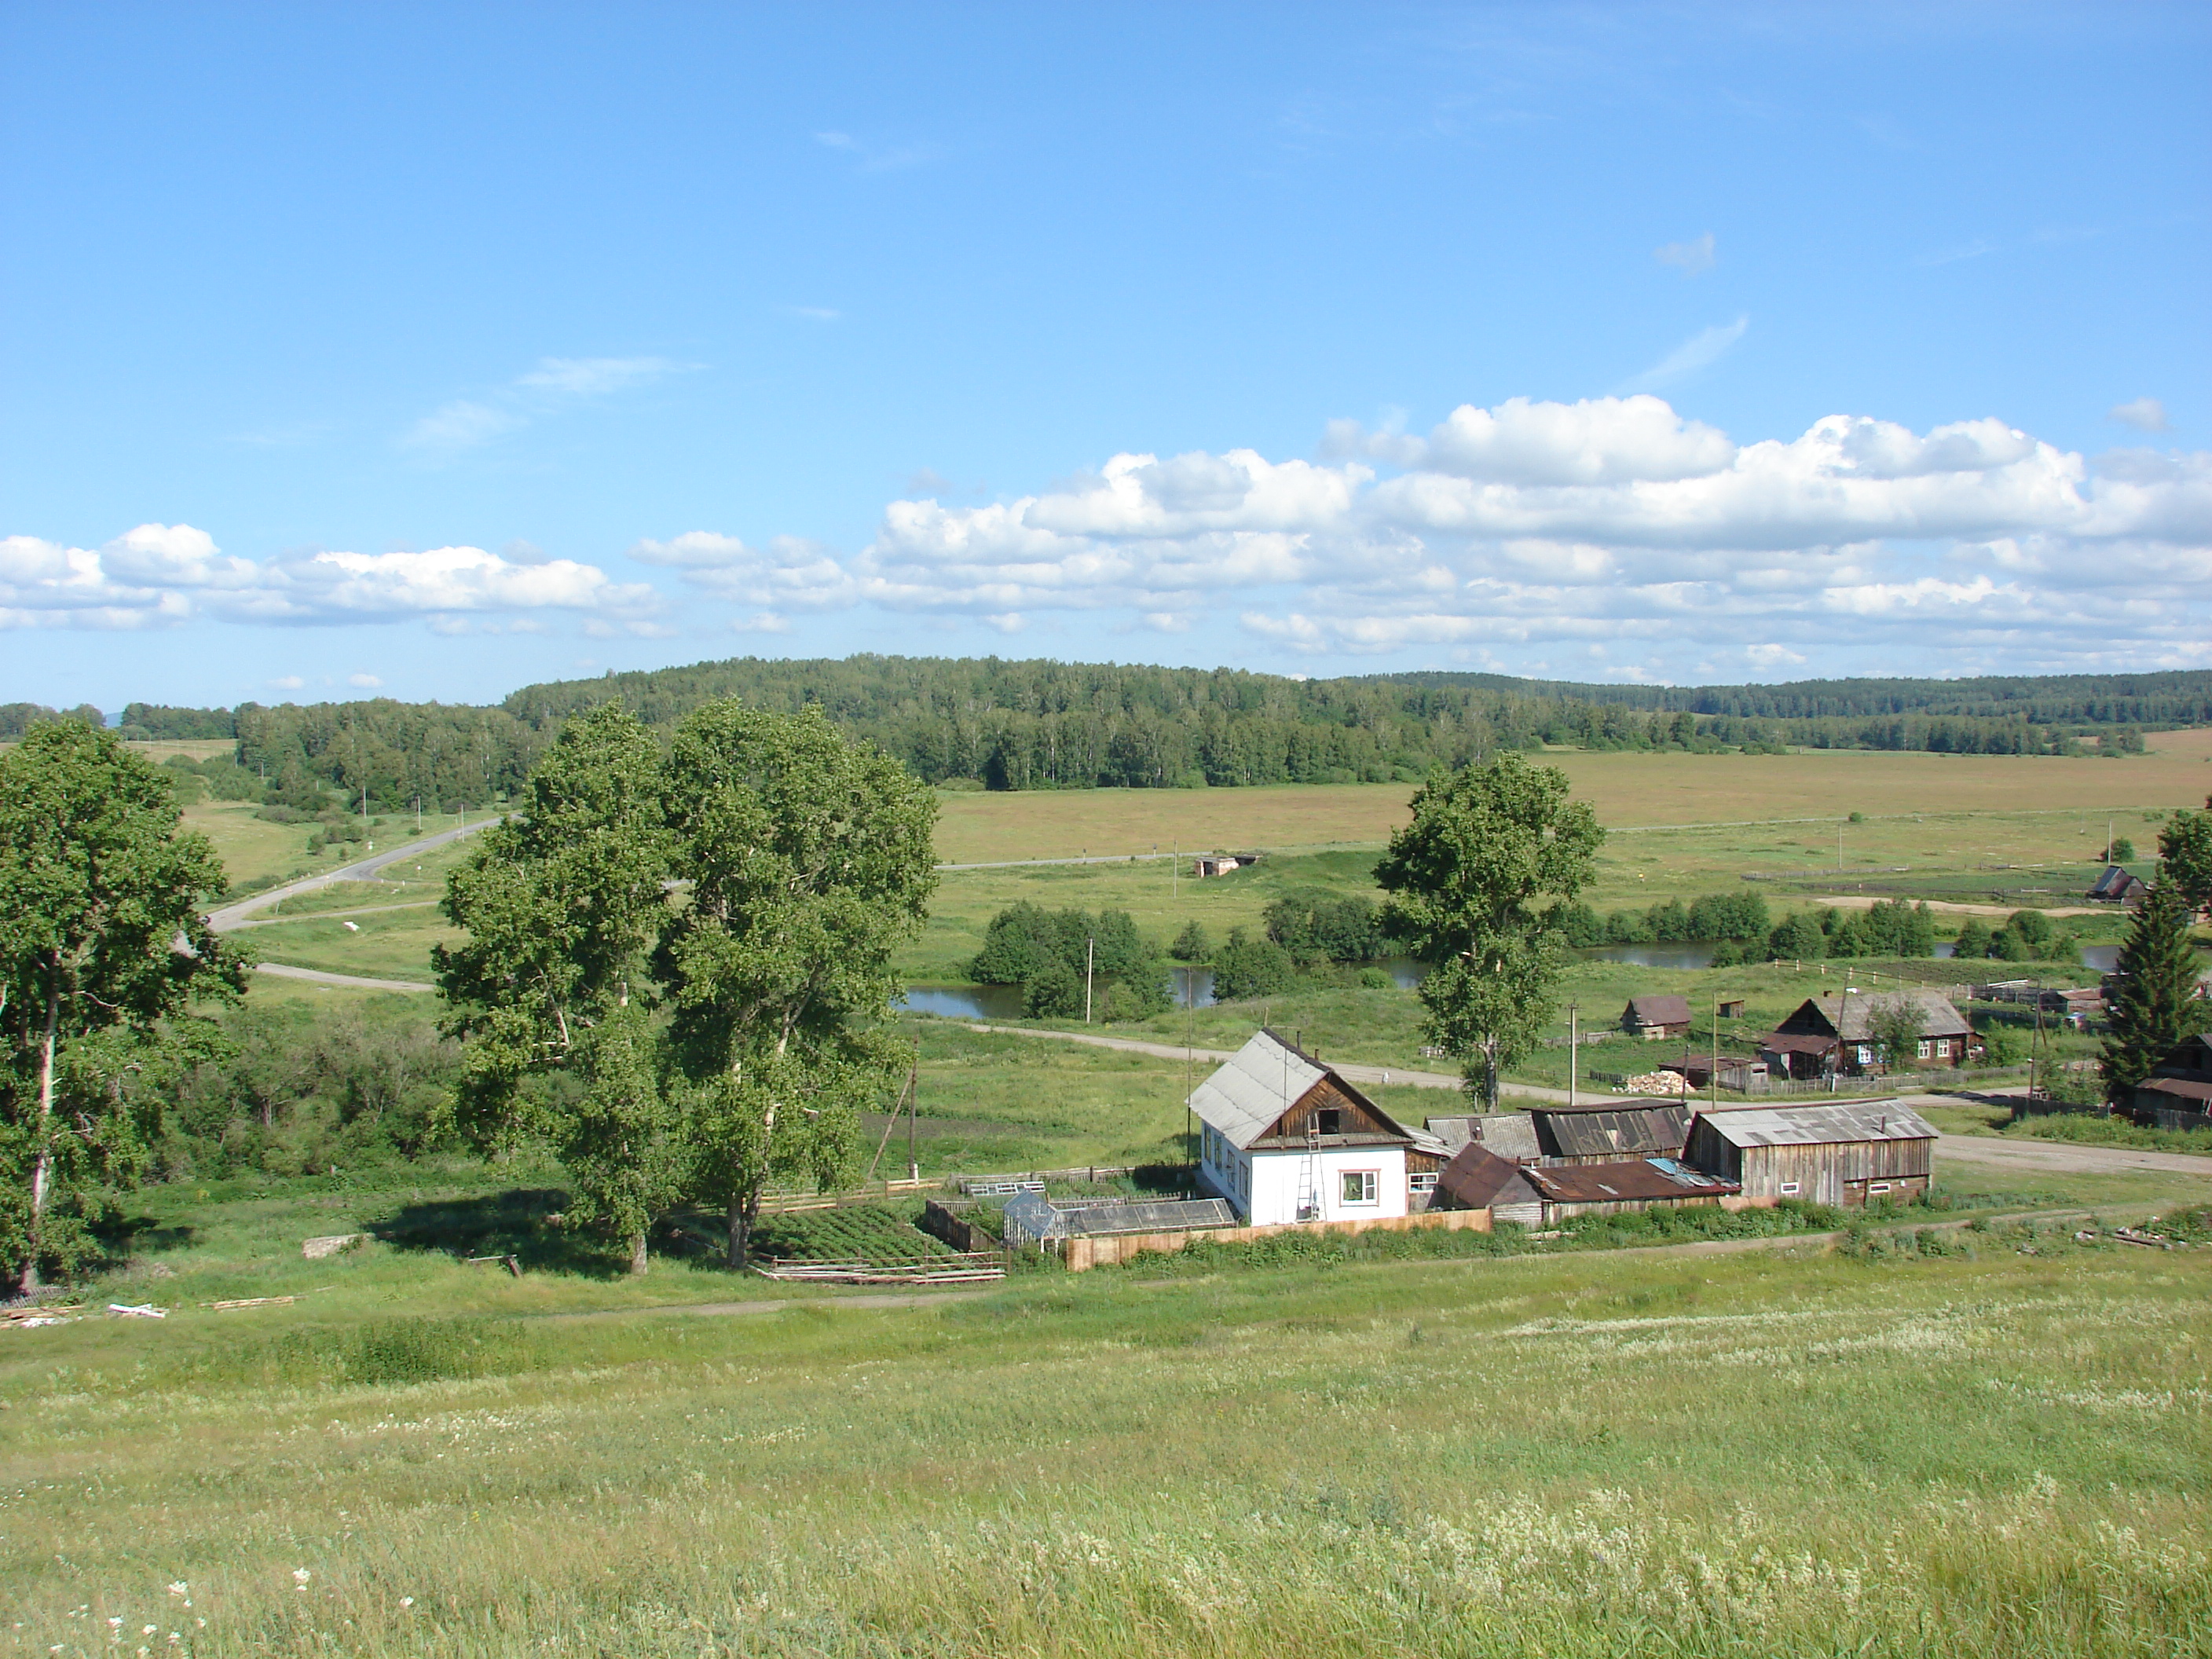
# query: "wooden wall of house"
1325 1096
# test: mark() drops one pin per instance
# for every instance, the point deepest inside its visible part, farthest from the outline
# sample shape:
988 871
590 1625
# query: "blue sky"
435 350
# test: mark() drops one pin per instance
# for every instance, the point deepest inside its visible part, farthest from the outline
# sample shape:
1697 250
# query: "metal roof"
1585 1133
1477 1179
1613 1183
1820 1126
1253 1088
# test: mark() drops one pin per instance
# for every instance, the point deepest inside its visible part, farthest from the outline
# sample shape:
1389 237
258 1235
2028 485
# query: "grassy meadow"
1995 1445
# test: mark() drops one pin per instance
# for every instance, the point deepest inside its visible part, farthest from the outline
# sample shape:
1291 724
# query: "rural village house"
1843 1154
2177 1094
1285 1138
1644 1183
1479 1179
1835 1034
1656 1016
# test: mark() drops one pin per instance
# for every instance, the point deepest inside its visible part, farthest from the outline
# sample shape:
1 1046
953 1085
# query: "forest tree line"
1041 725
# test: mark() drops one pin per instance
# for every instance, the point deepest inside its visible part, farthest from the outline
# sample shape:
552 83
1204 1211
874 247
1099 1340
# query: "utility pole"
1713 1083
2108 841
1840 849
913 1106
1089 957
1175 871
1574 1049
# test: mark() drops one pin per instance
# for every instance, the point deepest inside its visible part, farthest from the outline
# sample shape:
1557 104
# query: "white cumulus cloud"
2144 414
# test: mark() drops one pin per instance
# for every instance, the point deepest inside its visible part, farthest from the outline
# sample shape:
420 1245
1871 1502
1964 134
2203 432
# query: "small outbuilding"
2117 886
1644 1183
1478 1179
1656 1016
1843 1154
1285 1138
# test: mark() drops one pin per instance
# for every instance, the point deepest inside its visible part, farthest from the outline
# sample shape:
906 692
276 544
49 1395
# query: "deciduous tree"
102 947
809 862
1464 879
2184 854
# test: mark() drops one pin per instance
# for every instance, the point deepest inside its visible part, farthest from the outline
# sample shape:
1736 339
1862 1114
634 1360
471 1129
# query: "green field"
1980 1452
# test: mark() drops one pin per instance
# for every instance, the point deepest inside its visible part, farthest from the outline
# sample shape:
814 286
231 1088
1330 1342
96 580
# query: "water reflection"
1651 956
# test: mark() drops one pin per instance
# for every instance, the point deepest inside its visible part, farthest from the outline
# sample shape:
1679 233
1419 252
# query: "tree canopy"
2155 1006
675 963
1466 879
102 949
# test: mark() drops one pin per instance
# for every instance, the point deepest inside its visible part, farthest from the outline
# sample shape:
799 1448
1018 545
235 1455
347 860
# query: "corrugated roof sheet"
1821 1126
1585 1133
2180 1088
1613 1183
1511 1135
1254 1087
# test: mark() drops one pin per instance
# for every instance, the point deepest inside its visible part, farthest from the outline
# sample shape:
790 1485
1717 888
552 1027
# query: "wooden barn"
1608 1133
1478 1179
1656 1016
1843 1154
1285 1138
1644 1183
2117 886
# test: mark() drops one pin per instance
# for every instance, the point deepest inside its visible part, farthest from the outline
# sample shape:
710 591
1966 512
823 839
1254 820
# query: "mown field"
1981 1453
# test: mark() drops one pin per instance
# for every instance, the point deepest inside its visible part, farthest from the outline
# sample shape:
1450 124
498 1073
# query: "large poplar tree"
677 965
102 949
809 860
1465 878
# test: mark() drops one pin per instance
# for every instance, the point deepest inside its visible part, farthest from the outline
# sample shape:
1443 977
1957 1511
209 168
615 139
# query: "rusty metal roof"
1478 1179
1821 1126
1614 1183
1592 1132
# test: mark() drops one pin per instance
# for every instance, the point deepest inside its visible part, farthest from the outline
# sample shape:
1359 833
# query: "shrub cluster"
1046 951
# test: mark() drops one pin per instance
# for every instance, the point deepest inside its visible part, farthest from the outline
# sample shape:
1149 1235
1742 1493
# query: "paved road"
230 915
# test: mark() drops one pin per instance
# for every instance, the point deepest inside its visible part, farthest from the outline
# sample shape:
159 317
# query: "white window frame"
1421 1180
1371 1188
1878 1187
1792 1188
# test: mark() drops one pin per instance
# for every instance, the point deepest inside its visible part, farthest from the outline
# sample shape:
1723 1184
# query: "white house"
1285 1138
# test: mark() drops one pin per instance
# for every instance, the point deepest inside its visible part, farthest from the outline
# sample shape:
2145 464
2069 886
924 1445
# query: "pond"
1651 956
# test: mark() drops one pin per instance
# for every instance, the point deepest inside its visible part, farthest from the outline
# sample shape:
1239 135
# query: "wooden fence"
1082 1253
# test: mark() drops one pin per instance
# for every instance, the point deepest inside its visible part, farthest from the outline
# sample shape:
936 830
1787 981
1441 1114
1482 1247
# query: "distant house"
1608 1133
1286 1139
1656 1016
1730 1008
1644 1183
1738 1074
1220 864
2177 1094
1842 1154
1835 1034
2117 886
1476 1178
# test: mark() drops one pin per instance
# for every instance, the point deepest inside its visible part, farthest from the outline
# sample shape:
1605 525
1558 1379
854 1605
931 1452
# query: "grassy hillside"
1981 1452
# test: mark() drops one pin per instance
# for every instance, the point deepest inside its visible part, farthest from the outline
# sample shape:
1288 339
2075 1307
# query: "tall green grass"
1987 1454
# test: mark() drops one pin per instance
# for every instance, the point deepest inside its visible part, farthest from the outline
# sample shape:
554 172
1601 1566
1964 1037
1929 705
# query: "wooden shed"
1843 1154
1478 1179
1644 1183
1656 1016
2177 1094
